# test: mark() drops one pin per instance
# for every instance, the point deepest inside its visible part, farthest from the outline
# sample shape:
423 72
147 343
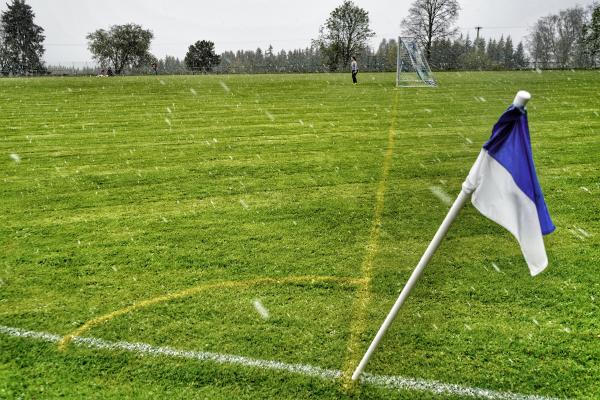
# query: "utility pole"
478 28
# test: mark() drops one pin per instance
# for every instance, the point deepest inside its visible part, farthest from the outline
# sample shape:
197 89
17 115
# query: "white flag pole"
520 100
437 239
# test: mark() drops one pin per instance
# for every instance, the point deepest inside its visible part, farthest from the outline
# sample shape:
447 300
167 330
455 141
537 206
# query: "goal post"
412 69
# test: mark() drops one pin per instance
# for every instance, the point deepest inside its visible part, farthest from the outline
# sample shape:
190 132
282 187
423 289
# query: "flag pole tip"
522 98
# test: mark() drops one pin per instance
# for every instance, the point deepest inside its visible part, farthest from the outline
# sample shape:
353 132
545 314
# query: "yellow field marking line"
66 340
363 298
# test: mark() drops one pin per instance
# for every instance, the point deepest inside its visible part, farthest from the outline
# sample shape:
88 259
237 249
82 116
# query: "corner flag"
506 189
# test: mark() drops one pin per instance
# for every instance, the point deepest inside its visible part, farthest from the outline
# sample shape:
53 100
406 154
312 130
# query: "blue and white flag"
506 189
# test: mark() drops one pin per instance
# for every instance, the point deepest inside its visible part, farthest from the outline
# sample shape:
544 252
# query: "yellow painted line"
361 304
66 340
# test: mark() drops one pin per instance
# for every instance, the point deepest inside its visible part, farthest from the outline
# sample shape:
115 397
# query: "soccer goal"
412 69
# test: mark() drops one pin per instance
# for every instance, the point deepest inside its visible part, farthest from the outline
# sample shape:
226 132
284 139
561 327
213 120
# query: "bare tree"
430 20
570 29
557 40
542 42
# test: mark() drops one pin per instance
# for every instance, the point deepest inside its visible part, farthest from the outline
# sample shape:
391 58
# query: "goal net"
412 69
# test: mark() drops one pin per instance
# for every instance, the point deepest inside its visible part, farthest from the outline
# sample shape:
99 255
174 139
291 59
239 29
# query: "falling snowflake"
583 232
225 87
441 194
260 309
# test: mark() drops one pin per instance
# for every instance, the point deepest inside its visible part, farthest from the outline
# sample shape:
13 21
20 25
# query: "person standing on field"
354 68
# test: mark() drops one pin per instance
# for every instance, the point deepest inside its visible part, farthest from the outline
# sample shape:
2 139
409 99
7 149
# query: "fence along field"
162 210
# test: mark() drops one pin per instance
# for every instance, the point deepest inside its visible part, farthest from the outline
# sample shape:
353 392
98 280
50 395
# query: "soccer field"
243 237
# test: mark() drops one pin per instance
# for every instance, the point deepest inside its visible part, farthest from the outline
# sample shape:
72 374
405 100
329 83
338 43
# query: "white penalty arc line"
382 381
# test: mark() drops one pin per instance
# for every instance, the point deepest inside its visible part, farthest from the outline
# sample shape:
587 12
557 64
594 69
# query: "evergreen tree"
475 57
391 55
509 54
520 60
457 51
480 45
282 61
3 53
441 55
381 55
269 59
171 65
201 56
492 51
591 37
21 40
500 52
469 45
227 60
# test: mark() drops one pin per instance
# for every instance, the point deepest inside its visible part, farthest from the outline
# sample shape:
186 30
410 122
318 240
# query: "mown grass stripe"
363 299
382 381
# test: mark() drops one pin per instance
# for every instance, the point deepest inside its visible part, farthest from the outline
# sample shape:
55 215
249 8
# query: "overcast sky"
248 24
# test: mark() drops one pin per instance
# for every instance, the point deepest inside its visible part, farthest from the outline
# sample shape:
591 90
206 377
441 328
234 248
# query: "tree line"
447 55
569 39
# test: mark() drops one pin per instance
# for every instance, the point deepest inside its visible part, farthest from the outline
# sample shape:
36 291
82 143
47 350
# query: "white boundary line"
382 381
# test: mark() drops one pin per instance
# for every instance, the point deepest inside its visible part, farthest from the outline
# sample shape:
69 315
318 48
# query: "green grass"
133 188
